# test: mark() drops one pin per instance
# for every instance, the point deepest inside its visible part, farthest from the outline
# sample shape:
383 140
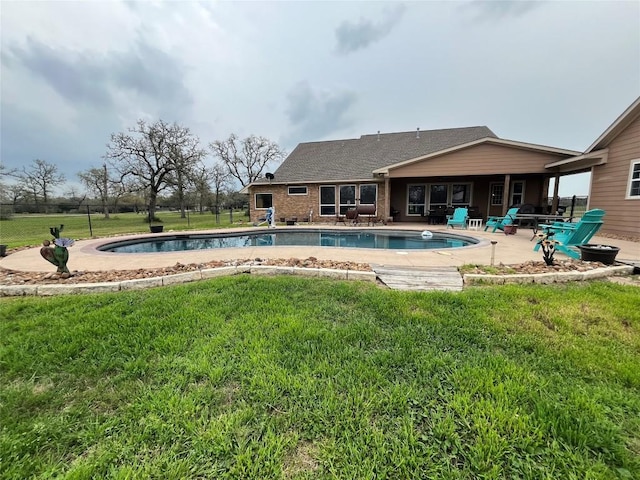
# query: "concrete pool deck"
509 249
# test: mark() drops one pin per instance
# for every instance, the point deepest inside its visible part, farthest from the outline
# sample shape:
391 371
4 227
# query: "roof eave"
580 162
497 141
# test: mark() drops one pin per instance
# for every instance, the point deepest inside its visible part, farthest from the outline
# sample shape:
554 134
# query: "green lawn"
22 230
259 378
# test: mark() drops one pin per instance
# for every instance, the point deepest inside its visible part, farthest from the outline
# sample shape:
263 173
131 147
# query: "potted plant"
156 228
598 253
510 229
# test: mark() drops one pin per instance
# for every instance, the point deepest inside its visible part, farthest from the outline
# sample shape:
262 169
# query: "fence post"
89 216
230 214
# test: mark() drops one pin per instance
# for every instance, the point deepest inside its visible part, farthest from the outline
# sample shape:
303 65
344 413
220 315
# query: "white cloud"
556 73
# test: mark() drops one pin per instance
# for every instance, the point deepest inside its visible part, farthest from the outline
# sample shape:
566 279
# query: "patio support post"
387 199
544 193
556 186
506 194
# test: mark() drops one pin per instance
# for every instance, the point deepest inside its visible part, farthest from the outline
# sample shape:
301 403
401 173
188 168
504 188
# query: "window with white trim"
368 193
438 195
461 194
264 200
497 194
517 193
633 189
347 198
327 200
298 190
416 197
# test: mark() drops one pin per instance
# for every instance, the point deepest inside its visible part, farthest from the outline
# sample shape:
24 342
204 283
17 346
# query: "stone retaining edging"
469 279
545 278
50 289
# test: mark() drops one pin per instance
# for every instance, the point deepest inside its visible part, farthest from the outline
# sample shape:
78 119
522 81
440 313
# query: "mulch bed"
13 277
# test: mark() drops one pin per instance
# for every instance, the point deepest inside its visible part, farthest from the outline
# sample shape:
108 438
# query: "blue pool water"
384 239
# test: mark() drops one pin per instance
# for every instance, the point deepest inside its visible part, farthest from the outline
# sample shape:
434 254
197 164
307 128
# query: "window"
368 194
417 197
347 198
302 190
497 193
327 200
517 193
634 180
264 200
461 194
438 195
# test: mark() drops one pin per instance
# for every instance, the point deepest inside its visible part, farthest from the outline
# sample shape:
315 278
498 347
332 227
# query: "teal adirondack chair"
571 235
459 217
498 223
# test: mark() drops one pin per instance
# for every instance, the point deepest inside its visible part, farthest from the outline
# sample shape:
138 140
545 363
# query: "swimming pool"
357 238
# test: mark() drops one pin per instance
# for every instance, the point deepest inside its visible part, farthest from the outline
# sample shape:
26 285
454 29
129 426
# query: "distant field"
32 229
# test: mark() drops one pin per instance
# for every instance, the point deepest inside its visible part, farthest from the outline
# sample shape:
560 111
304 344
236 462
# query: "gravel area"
13 277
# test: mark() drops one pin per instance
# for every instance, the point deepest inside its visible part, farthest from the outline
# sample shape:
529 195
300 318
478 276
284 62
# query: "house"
409 176
614 162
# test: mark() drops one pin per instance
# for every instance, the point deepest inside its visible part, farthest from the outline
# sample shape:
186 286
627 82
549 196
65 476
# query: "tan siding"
480 160
609 184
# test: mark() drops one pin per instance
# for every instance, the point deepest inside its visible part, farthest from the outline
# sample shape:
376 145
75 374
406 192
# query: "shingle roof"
356 159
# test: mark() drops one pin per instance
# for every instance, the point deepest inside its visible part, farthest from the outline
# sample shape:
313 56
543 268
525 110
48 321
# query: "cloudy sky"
554 73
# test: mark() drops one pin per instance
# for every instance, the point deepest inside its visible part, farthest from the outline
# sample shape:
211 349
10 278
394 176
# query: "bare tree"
15 192
185 154
6 171
246 159
76 197
147 153
219 180
98 182
201 186
40 179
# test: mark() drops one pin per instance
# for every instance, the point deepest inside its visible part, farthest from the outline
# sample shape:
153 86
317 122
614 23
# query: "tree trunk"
153 198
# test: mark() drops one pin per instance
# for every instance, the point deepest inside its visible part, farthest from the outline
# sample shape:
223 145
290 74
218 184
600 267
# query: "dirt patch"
302 459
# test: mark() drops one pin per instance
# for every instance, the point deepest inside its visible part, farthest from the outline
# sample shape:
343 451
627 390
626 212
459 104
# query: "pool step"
419 278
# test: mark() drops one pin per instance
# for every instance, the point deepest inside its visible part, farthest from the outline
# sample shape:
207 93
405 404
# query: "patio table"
535 219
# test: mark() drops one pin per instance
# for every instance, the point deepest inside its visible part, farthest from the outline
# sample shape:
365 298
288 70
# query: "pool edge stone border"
50 289
469 279
476 279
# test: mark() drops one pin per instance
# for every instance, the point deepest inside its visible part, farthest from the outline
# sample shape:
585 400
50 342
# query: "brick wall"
299 206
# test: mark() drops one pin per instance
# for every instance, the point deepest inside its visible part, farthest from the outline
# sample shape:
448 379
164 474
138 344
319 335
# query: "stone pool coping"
469 279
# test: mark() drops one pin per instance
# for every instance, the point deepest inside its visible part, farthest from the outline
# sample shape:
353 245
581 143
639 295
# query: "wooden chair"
571 235
459 217
498 223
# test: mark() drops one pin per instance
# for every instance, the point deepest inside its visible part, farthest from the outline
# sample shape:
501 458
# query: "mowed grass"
22 230
260 378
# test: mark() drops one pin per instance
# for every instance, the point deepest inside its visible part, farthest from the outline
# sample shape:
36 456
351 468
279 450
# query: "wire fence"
27 224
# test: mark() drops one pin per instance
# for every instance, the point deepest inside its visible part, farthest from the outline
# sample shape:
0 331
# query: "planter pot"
598 253
510 229
156 228
3 250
